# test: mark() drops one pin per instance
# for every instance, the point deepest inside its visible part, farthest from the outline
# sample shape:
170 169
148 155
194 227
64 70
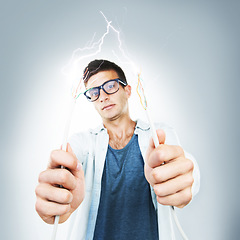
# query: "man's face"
110 107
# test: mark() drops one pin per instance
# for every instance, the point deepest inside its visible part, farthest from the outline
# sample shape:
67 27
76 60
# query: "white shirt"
91 148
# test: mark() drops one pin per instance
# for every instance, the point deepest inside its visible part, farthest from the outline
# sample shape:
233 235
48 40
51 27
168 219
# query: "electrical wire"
77 91
178 224
143 101
140 92
64 147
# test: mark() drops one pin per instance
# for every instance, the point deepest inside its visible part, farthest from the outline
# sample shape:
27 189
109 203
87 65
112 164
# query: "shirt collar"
140 126
98 129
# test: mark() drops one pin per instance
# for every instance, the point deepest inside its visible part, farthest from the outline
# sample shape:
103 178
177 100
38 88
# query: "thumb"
161 138
78 171
69 149
153 161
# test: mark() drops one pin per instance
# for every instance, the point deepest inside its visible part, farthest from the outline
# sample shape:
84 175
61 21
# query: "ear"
128 90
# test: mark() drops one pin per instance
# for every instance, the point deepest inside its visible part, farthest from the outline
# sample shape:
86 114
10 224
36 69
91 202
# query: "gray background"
189 51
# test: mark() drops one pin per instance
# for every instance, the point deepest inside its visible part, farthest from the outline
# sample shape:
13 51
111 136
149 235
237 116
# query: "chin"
111 118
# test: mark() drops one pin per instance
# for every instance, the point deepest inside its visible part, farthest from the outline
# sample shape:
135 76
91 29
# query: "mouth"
108 107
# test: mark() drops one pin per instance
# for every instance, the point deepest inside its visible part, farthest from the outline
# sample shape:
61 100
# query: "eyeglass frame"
118 80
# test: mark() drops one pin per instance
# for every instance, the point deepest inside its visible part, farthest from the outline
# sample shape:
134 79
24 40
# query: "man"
116 180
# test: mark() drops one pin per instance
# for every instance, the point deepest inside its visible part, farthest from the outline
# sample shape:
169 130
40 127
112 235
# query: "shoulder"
82 142
79 142
144 128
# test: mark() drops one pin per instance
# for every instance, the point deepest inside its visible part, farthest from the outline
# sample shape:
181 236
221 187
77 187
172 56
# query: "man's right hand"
53 200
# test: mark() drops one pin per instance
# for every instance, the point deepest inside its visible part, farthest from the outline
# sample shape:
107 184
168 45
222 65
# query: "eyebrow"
101 84
92 83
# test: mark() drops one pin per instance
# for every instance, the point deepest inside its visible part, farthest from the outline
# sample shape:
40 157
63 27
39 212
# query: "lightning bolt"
135 69
71 70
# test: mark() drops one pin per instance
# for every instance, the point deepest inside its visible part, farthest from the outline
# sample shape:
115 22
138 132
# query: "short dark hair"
100 65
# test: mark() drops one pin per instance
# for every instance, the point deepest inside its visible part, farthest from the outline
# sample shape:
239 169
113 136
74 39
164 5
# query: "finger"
174 185
58 177
78 172
69 149
54 194
164 153
48 210
161 138
62 158
171 170
179 199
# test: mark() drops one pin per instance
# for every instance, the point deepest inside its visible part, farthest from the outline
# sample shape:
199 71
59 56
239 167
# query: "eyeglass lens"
108 87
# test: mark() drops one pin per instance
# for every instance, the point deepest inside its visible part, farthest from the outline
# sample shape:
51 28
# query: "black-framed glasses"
109 87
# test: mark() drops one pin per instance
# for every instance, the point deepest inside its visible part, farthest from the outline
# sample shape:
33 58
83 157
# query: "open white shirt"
91 148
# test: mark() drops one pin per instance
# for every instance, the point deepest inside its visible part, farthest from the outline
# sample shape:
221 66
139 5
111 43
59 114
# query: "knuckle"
53 154
156 190
63 177
65 208
74 184
66 197
40 177
181 206
191 180
159 190
190 165
188 196
74 160
156 175
37 190
38 206
188 180
161 153
180 150
161 201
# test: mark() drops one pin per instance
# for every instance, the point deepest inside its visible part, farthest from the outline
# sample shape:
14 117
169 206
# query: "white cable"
178 224
55 226
64 147
156 143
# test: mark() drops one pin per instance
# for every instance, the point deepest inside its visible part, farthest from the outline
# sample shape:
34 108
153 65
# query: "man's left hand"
169 172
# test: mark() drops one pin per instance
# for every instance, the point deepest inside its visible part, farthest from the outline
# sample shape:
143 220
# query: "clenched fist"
53 200
169 172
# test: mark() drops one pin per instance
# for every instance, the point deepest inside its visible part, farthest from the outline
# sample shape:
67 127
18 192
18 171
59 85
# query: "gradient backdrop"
189 53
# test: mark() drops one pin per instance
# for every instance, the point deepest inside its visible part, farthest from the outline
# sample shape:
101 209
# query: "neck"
120 131
120 126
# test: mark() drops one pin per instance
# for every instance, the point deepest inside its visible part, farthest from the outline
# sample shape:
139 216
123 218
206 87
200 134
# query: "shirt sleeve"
79 144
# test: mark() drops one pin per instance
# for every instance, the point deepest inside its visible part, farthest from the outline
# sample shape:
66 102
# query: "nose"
103 96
